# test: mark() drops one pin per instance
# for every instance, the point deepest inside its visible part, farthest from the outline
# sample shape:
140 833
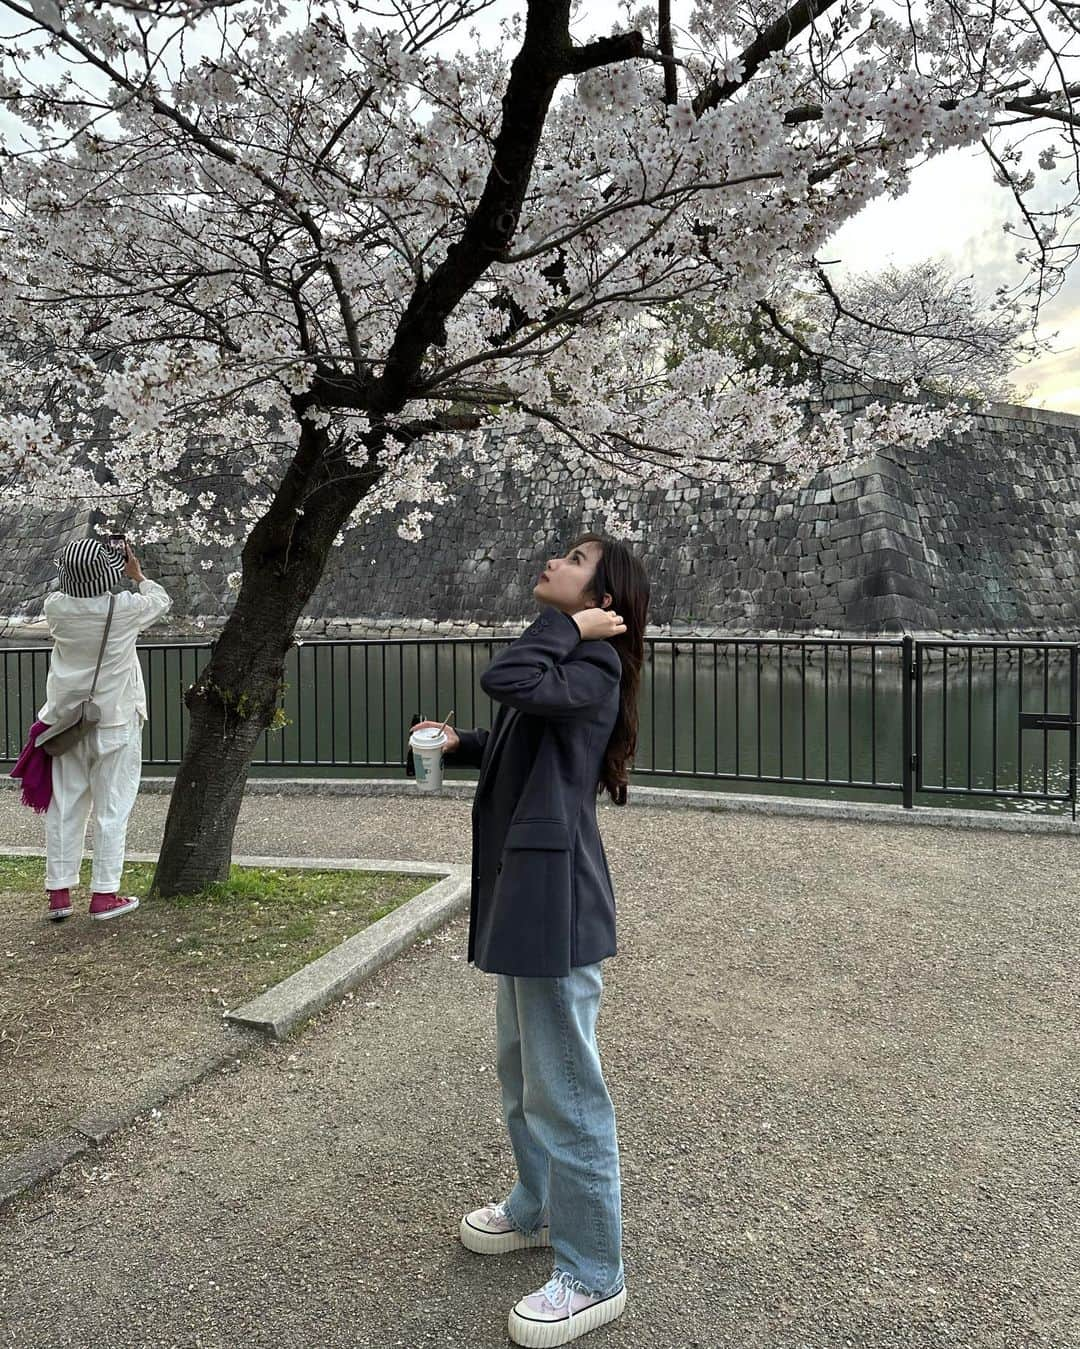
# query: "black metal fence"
897 716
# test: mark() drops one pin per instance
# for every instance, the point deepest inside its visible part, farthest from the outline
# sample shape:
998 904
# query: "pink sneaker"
59 903
111 906
559 1313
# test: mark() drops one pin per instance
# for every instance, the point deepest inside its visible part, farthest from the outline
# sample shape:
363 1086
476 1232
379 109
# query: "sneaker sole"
116 913
545 1334
60 913
498 1243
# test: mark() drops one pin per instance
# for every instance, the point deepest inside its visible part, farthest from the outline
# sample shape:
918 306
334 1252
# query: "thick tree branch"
605 52
772 39
546 56
408 432
667 50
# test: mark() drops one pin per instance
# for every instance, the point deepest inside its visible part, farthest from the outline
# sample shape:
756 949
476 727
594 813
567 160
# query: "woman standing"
103 769
543 919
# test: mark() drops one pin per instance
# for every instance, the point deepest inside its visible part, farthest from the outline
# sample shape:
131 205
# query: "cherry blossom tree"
266 272
923 324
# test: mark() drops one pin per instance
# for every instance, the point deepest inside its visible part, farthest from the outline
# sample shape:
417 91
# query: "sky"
953 210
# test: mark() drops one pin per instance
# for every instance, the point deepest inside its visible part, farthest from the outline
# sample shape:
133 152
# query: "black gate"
976 703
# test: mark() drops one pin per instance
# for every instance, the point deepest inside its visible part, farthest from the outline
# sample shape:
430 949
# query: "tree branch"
605 52
770 40
667 49
546 56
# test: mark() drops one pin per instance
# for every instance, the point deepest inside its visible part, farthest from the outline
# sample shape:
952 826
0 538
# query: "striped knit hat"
87 568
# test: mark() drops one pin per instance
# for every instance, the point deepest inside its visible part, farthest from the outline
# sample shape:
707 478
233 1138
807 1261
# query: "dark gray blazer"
542 900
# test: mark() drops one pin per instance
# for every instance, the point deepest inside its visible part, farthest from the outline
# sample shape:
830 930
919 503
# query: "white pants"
102 770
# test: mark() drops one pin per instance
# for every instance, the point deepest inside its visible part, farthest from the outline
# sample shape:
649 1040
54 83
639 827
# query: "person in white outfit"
104 768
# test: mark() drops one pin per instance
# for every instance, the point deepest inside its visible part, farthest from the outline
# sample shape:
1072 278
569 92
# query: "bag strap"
104 639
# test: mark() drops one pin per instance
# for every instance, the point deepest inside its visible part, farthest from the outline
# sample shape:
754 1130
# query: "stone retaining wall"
977 534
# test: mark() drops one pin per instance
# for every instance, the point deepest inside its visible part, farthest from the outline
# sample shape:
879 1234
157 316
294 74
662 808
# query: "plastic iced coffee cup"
427 747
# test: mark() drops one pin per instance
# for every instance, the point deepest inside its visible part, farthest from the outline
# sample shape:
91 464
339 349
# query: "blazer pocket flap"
538 834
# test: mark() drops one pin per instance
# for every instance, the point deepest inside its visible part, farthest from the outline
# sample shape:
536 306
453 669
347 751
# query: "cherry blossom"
211 251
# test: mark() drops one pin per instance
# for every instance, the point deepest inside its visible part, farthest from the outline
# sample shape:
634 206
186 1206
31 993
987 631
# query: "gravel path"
843 1059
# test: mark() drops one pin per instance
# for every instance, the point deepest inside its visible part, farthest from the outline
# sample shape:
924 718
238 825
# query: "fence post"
908 745
1074 664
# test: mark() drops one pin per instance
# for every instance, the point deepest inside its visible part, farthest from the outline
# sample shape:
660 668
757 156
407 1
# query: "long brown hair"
621 574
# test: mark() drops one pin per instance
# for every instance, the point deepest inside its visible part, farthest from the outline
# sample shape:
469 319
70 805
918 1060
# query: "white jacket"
77 626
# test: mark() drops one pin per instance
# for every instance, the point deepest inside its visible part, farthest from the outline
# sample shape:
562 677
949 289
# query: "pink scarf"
35 769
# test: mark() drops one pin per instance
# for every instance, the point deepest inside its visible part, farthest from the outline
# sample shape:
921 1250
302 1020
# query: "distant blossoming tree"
264 279
919 325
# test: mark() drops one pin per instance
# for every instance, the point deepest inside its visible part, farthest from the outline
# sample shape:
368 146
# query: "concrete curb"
295 999
276 1012
43 1160
676 798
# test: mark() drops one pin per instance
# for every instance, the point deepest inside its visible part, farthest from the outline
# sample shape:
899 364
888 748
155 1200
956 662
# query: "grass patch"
249 931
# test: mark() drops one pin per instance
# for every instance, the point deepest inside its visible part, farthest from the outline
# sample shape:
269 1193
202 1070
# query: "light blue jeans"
561 1122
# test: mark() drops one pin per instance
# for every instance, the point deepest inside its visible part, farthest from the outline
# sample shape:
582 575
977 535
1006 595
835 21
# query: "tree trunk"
235 698
231 705
237 694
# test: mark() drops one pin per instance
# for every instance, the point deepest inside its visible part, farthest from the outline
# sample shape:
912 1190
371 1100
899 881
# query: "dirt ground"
92 1011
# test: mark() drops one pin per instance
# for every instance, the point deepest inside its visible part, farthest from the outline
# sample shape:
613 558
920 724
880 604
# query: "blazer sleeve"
471 750
533 674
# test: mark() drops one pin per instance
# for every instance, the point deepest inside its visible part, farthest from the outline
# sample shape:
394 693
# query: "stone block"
887 520
893 486
893 583
847 491
883 538
877 464
882 559
845 529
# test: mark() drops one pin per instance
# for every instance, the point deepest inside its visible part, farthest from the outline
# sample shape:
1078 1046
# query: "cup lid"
430 735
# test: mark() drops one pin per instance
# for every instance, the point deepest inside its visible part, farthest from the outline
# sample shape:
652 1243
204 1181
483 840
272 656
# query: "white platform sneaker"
559 1313
489 1231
